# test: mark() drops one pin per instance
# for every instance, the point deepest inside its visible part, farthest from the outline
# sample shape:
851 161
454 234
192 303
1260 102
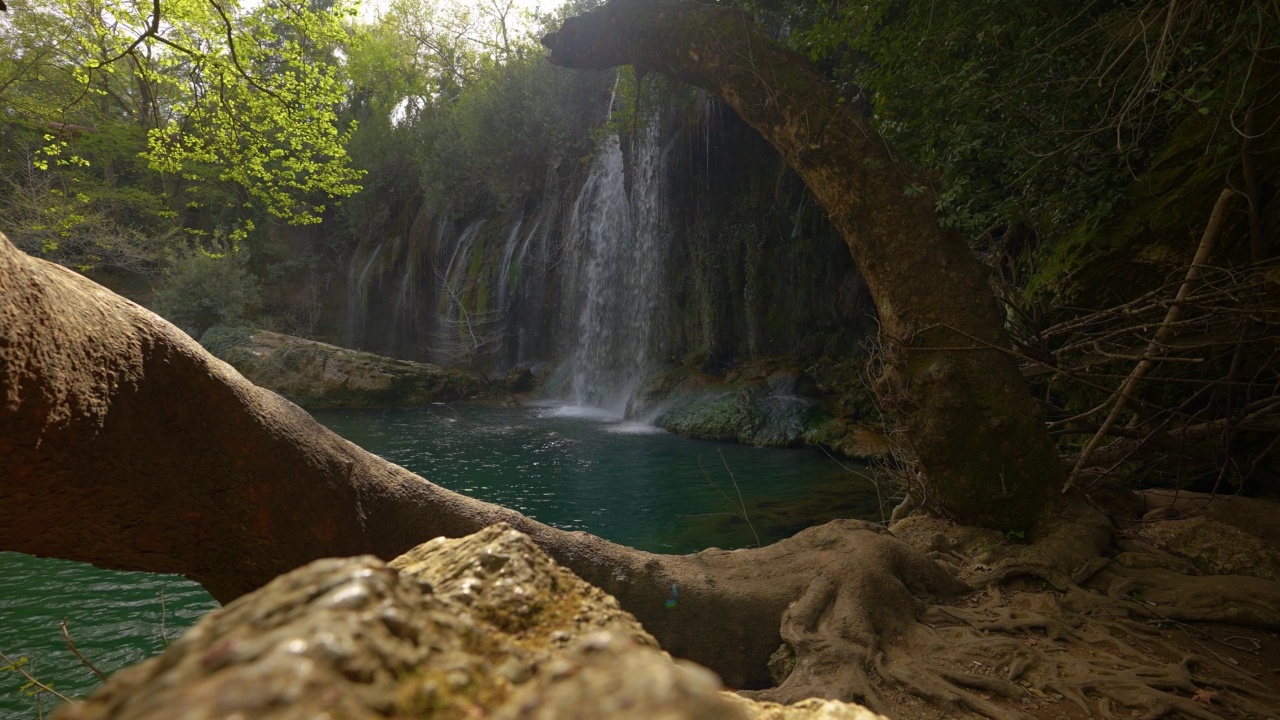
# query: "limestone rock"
502 578
335 636
762 405
318 375
811 709
1214 547
605 678
481 626
517 380
1252 515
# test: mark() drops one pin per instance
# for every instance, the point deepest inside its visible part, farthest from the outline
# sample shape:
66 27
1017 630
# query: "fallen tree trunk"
965 412
124 444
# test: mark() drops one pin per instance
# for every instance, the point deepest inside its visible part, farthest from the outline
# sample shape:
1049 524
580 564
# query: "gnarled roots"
1033 626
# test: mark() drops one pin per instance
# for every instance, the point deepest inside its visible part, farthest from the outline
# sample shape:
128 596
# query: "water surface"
574 468
116 619
581 469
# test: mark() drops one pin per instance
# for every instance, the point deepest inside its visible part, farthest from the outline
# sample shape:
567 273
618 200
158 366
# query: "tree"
123 443
965 413
243 101
201 289
468 337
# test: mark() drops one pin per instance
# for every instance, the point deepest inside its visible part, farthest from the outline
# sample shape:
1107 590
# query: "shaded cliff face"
684 238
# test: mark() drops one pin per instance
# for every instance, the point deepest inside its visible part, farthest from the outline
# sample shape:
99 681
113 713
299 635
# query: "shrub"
201 289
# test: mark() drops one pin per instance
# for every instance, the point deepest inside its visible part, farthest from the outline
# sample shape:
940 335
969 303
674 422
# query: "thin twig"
83 660
17 667
741 503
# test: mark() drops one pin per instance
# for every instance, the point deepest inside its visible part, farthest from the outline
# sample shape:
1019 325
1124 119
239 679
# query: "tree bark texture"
126 445
965 413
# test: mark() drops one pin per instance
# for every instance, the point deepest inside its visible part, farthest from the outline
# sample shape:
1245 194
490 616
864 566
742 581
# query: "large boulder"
481 626
317 375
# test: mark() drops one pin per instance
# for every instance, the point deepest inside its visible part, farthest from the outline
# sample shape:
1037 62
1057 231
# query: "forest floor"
1181 618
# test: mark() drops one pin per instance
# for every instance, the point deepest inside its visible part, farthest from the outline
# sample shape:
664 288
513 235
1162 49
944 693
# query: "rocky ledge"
763 404
481 626
317 375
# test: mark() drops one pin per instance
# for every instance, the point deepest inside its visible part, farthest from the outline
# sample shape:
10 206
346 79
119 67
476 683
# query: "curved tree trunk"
965 412
124 444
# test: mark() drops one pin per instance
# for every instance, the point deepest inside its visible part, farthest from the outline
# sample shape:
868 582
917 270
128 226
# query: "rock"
1214 547
1252 515
481 626
317 375
605 678
335 636
518 380
760 405
500 576
811 709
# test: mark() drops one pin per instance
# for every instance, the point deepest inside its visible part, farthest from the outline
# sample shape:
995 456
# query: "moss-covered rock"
764 404
1213 547
318 375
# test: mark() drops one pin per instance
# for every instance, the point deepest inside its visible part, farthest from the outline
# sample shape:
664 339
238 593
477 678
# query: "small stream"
571 467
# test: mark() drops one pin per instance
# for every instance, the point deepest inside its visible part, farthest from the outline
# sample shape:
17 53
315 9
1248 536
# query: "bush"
200 289
220 340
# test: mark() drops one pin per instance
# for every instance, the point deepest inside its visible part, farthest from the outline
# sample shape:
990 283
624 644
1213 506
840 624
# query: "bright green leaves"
261 107
237 106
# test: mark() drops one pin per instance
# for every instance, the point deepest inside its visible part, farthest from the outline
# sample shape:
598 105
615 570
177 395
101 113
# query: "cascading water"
624 239
454 276
356 294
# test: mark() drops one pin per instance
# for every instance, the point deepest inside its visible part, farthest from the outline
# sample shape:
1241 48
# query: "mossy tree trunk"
966 414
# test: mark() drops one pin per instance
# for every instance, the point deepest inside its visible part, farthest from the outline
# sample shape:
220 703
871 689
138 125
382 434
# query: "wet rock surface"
760 404
317 375
481 626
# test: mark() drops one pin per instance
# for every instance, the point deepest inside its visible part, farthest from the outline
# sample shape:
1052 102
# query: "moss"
458 692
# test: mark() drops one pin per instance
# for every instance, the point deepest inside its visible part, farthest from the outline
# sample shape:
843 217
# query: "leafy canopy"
205 92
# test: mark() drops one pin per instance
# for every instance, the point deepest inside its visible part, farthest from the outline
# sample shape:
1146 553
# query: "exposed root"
1097 634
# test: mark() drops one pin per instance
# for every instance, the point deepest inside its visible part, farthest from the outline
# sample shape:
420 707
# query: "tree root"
1009 648
91 444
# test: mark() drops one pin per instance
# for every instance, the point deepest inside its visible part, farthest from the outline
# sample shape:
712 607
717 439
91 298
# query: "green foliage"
118 128
201 289
459 110
262 108
70 217
502 138
221 339
1034 115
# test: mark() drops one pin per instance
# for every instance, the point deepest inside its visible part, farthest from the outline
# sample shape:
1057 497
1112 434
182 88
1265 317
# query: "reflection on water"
575 468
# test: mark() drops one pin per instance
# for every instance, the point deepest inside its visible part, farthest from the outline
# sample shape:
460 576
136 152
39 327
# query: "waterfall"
400 318
455 273
624 242
357 284
504 270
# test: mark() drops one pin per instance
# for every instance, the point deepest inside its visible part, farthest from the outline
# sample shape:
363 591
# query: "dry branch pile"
1185 379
